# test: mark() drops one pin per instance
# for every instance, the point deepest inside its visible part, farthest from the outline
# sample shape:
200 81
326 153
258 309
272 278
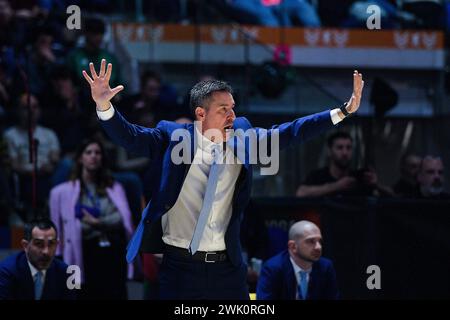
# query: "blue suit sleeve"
267 284
333 291
5 283
299 130
136 139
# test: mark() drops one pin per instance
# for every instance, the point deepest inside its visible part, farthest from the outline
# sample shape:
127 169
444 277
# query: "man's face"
91 158
41 249
6 12
23 110
94 40
341 152
64 88
431 177
151 89
308 247
218 116
411 167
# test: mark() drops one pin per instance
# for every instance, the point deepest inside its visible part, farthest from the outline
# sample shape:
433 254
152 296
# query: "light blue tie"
303 285
211 185
38 285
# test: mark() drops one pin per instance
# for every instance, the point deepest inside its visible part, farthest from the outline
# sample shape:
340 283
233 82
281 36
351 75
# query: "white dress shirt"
179 222
34 271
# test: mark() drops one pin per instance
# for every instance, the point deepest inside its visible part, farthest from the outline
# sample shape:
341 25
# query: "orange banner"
328 38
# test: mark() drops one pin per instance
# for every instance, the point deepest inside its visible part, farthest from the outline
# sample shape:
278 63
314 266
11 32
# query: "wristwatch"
344 110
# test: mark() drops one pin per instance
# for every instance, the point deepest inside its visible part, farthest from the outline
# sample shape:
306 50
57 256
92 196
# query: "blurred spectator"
300 272
125 162
6 199
34 274
92 51
26 8
92 212
99 6
338 178
6 18
56 5
64 112
391 16
38 63
333 13
430 13
275 13
255 243
156 101
5 97
163 10
353 13
151 263
431 179
47 150
406 186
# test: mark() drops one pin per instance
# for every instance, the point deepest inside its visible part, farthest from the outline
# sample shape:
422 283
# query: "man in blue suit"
300 272
34 274
198 198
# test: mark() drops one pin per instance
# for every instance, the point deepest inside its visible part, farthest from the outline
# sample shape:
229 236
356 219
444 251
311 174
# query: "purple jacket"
63 199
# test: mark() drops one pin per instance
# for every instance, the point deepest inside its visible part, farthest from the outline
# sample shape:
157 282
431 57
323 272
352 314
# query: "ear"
419 177
24 244
200 113
291 244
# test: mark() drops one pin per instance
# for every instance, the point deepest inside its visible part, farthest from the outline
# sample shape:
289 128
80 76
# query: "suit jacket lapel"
50 283
27 281
193 141
314 279
290 279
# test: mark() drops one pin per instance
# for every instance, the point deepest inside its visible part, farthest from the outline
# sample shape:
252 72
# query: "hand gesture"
355 100
89 219
100 90
345 183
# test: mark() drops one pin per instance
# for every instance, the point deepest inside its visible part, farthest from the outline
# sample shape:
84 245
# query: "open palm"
358 85
100 89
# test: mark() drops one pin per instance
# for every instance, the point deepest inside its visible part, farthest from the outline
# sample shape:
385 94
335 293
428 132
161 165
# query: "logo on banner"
374 20
73 22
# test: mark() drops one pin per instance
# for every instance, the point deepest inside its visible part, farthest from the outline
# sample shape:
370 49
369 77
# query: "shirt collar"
204 143
297 269
34 270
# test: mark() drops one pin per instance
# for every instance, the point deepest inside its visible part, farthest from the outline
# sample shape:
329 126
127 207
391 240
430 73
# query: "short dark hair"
103 177
94 25
150 74
203 90
338 135
41 223
61 73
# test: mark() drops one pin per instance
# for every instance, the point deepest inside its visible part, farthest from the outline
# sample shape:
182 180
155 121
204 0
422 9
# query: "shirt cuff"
334 116
107 114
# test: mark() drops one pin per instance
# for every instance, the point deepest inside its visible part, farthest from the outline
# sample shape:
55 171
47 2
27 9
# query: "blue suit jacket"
16 282
277 280
156 144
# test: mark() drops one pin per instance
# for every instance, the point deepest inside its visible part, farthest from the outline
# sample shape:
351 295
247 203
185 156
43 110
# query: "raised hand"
358 85
100 89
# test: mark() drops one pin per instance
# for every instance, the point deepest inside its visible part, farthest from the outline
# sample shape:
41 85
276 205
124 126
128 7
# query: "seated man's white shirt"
18 146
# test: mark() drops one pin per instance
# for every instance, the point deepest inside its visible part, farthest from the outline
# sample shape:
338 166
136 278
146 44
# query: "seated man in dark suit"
299 273
33 274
